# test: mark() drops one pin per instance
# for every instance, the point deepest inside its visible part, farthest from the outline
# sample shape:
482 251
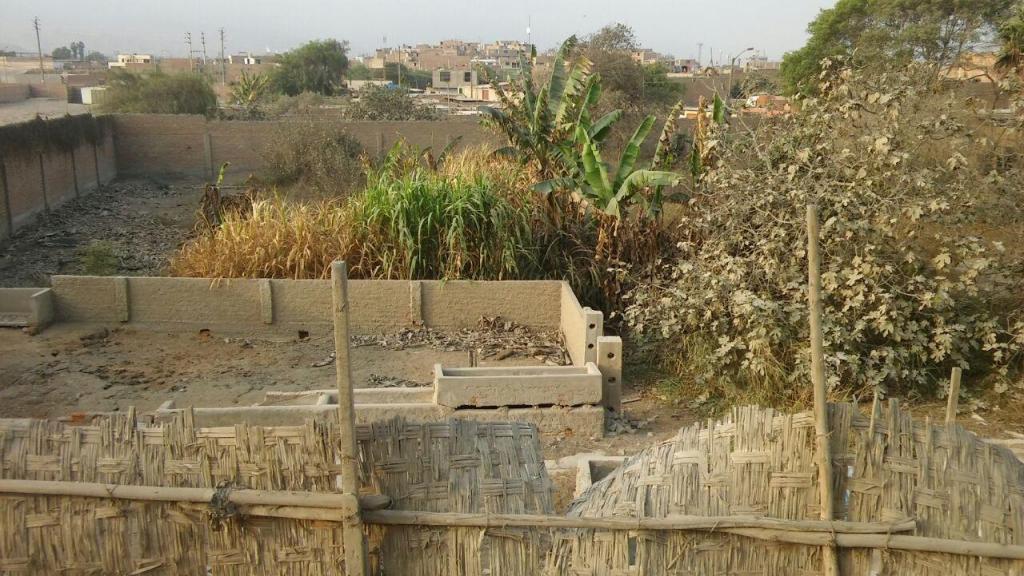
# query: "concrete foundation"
517 386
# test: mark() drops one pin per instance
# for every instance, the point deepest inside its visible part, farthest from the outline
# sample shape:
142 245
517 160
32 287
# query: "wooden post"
954 395
355 550
824 453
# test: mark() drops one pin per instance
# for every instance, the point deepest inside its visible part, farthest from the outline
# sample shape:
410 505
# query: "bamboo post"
830 559
352 536
954 395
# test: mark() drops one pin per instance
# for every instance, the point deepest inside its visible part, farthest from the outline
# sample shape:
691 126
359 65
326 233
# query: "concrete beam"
609 362
517 386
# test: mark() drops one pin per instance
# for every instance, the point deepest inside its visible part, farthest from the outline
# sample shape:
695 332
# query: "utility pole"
202 40
188 43
39 46
223 65
700 53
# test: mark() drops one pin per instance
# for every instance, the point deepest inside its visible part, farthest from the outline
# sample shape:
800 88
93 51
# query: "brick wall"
34 182
191 146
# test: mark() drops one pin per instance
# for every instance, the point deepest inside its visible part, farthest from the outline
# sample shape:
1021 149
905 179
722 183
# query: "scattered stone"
378 381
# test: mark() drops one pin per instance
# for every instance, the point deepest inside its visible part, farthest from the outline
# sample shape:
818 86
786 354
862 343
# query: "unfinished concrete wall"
13 93
259 305
191 146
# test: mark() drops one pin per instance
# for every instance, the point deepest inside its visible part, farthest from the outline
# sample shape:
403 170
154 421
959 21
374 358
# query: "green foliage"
753 85
610 50
416 223
317 66
64 133
97 57
99 259
541 123
250 92
383 103
874 32
1011 42
315 156
305 104
61 53
159 93
915 276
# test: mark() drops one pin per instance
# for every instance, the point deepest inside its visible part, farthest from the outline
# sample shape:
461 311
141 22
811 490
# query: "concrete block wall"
192 146
48 90
277 306
34 182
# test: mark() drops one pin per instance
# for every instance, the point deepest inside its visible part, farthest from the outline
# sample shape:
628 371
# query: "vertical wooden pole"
954 395
830 559
355 548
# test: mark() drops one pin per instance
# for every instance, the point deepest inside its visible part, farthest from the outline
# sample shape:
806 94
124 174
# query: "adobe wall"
34 182
192 146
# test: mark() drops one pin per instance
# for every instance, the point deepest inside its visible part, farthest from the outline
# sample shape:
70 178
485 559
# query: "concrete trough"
26 307
494 387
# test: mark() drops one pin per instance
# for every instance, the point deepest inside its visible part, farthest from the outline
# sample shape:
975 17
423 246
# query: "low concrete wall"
48 90
34 182
191 146
581 327
261 305
14 93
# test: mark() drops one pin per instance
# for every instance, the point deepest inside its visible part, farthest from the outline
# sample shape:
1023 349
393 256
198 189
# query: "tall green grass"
416 223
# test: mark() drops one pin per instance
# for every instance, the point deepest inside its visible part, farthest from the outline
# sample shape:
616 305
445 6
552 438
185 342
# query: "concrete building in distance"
453 81
126 60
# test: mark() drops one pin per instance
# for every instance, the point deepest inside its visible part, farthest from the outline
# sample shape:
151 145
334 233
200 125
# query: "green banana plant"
613 192
540 123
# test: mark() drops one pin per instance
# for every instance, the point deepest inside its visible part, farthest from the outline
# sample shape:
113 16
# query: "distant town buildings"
125 60
451 55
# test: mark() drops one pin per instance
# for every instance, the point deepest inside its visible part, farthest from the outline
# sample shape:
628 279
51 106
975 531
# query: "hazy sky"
159 26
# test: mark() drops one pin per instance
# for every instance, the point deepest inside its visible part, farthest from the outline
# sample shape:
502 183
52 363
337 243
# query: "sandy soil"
68 369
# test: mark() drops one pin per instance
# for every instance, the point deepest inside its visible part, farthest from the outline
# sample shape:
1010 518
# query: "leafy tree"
159 93
95 56
887 31
753 85
610 49
77 50
316 66
62 53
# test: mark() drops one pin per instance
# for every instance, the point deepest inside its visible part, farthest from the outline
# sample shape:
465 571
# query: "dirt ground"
143 222
68 369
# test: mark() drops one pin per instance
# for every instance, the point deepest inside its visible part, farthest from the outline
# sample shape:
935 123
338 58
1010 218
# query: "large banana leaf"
641 179
632 150
595 173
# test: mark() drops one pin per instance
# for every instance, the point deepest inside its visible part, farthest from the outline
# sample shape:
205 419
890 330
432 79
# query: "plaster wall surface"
238 304
177 145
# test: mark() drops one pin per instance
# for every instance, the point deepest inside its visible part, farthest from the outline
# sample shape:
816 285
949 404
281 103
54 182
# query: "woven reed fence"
455 466
760 462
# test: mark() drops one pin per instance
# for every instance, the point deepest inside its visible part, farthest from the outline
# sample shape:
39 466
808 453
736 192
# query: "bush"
380 103
412 222
915 278
99 259
316 156
159 93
